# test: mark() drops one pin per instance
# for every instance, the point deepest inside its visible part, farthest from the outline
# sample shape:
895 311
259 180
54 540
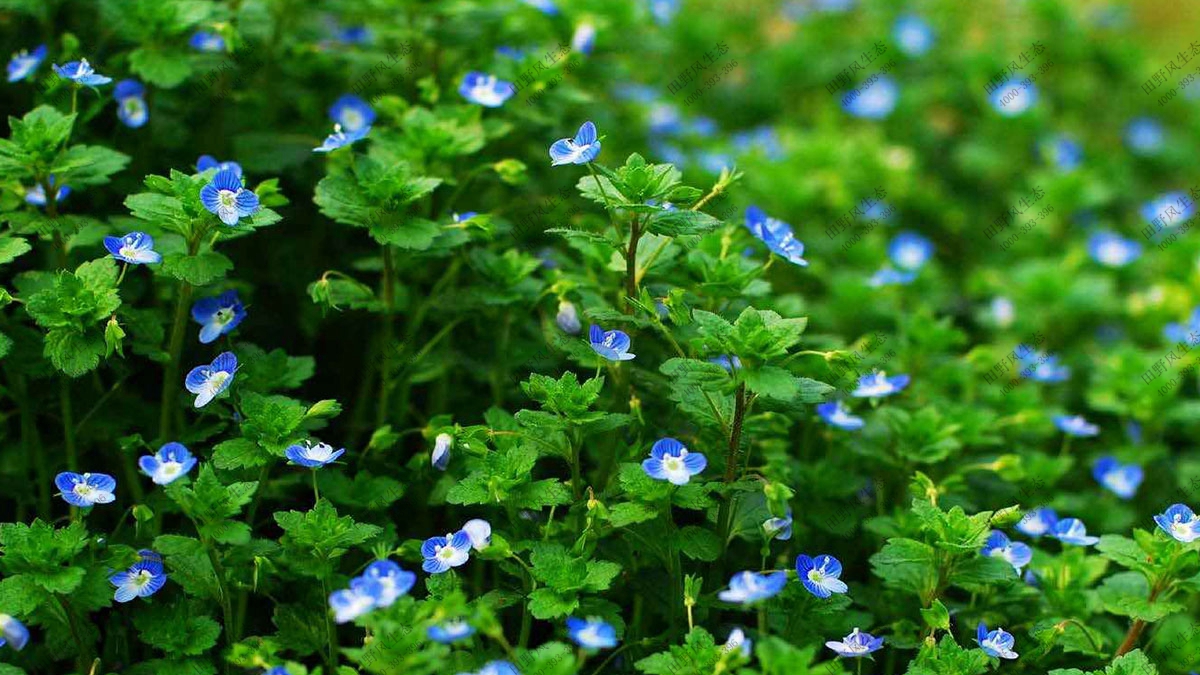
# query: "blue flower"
1189 332
875 210
728 362
1038 522
584 37
567 318
1003 311
340 139
510 52
738 641
913 34
36 195
496 667
81 72
779 528
462 217
218 315
13 633
664 119
612 344
135 248
392 579
440 457
352 35
141 580
1041 367
580 150
1014 553
1144 135
131 103
670 461
856 644
706 126
878 384
353 602
203 41
836 414
1180 523
1122 479
1170 209
479 531
543 6
85 490
172 462
1113 250
820 575
1072 531
352 113
887 276
910 251
443 553
485 90
1064 152
776 234
312 456
206 162
450 631
998 643
23 63
748 587
874 101
663 10
592 633
1075 425
277 670
226 197
207 382
1020 97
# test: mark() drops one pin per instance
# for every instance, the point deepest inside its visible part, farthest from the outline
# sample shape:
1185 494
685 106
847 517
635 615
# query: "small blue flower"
13 633
440 457
715 162
352 113
340 139
1121 479
1014 553
1064 152
207 382
497 668
277 670
172 462
352 35
450 632
1188 332
998 643
131 103
462 217
737 641
836 414
874 210
218 315
762 138
663 10
888 276
856 644
353 602
1020 97
592 633
1031 579
142 580
611 344
779 528
203 41
87 489
776 234
1038 522
1075 425
312 456
510 52
1180 523
36 195
23 63
1144 136
135 248
81 72
910 251
913 34
567 318
485 90
206 162
748 587
1170 209
543 6
1072 531
664 119
479 531
875 101
728 362
226 197
1041 367
580 150
392 579
820 575
706 127
1113 250
443 553
878 384
584 37
1003 311
671 461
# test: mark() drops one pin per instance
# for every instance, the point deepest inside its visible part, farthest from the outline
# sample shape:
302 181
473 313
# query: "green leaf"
1133 663
239 453
936 616
161 68
73 352
320 534
12 248
84 165
42 554
698 543
1128 594
678 222
907 565
182 627
547 604
198 270
208 500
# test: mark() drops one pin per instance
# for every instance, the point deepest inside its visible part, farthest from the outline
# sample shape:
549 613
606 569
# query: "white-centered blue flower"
449 632
874 101
172 462
738 642
226 197
341 139
910 251
23 63
13 633
1188 331
890 276
820 575
579 150
855 645
749 587
1063 152
671 461
1169 209
591 633
352 113
998 643
776 234
312 456
130 96
206 162
443 553
440 457
878 384
568 318
1011 98
611 344
81 72
36 195
135 248
392 579
86 489
998 545
485 90
1072 531
1038 522
584 37
1041 367
912 34
1180 522
543 6
1144 136
1121 479
779 528
1003 311
207 382
143 579
218 315
836 414
1075 425
1113 250
203 41
350 603
479 531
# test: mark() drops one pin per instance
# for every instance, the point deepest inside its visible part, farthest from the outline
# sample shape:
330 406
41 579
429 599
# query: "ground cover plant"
539 337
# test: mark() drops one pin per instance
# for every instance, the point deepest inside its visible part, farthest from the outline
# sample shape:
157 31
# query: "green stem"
386 336
85 652
316 490
68 423
631 277
330 633
171 383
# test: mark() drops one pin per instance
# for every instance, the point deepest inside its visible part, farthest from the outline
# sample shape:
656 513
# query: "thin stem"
316 490
631 278
68 422
171 384
330 633
599 184
386 336
725 512
85 653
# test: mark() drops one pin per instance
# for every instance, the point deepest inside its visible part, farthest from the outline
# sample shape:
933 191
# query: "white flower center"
171 468
217 379
128 251
83 489
227 198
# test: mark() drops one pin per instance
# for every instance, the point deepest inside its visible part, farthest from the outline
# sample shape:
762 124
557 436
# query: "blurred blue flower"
172 462
762 138
671 461
351 35
1063 152
449 632
776 234
1188 332
910 251
592 633
584 37
440 457
580 150
703 126
13 633
207 382
1014 553
352 113
664 119
1075 425
392 579
714 162
1042 367
1170 208
443 553
820 575
277 670
340 139
836 414
225 197
143 579
1144 135
87 489
351 603
779 528
312 456
218 315
131 103
856 644
23 63
135 248
612 345
496 668
206 162
485 90
510 52
36 195
1113 250
1121 479
1003 311
874 101
912 34
1072 531
874 210
729 363
663 10
997 643
1180 523
479 531
889 276
878 384
1020 97
567 318
81 72
748 587
738 641
203 41
544 6
1038 522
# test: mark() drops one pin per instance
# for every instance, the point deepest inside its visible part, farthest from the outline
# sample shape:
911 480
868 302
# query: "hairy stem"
631 276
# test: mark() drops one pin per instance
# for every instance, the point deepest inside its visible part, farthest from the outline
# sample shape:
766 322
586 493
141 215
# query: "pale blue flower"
1020 97
485 90
1041 367
352 113
1072 531
312 456
203 41
779 528
391 579
440 457
443 553
206 162
727 362
592 633
997 643
1144 136
856 644
1075 425
1121 479
567 318
145 578
86 489
1038 522
1188 332
820 575
225 197
13 633
353 602
912 34
584 38
450 632
878 384
1003 311
836 414
612 344
1180 523
579 150
1062 151
671 461
1113 250
543 6
207 382
340 139
748 587
172 462
36 195
23 63
1170 209
737 641
135 248
664 119
776 234
479 531
874 101
130 96
889 276
663 10
218 315
910 251
81 72
998 545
